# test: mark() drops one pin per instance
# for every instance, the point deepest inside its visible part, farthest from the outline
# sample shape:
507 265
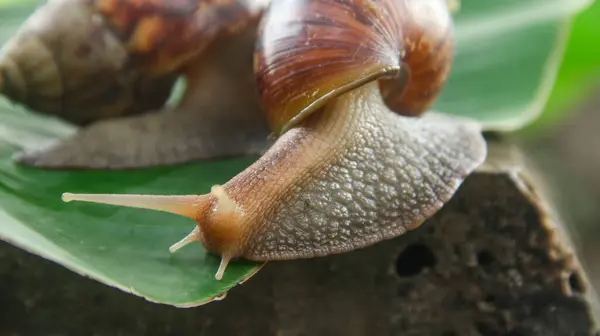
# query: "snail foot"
158 139
218 115
193 237
221 229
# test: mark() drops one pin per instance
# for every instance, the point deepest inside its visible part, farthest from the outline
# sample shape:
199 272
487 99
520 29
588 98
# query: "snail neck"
299 155
310 144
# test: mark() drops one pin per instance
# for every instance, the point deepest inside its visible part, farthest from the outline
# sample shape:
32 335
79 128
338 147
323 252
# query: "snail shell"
65 62
89 60
352 165
162 36
313 51
113 75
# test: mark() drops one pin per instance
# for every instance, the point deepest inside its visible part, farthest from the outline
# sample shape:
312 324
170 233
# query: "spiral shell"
313 50
87 60
161 35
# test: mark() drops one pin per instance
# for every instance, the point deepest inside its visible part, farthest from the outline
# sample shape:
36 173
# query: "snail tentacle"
225 217
222 267
194 236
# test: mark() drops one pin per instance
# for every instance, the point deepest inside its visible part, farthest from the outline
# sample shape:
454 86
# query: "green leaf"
579 72
125 249
507 54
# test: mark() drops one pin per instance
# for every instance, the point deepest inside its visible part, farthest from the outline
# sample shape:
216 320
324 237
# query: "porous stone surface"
491 262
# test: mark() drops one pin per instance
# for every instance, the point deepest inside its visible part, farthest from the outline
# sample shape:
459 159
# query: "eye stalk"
224 214
357 160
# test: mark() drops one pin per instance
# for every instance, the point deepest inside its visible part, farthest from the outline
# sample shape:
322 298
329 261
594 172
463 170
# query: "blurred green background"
579 74
564 143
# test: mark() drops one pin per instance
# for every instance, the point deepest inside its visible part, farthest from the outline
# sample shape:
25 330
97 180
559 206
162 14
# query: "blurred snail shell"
110 65
343 84
65 61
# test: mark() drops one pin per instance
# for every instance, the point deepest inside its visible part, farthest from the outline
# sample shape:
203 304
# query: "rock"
494 261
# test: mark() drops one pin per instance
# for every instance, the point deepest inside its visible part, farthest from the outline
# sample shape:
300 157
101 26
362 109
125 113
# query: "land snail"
342 85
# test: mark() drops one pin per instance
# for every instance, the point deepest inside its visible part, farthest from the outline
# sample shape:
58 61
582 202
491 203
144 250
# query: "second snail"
342 87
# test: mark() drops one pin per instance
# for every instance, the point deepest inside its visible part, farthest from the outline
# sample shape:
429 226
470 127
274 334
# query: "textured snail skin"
350 176
114 73
347 174
313 50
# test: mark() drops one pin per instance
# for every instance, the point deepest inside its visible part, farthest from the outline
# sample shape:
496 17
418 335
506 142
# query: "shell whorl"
64 61
310 51
87 60
162 35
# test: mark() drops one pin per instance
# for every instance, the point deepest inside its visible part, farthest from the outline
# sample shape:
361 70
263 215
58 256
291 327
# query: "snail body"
109 67
344 85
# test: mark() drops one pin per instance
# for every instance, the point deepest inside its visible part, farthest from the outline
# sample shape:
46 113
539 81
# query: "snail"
344 86
113 74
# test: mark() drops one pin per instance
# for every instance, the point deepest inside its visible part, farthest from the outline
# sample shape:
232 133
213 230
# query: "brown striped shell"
86 60
161 35
312 50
